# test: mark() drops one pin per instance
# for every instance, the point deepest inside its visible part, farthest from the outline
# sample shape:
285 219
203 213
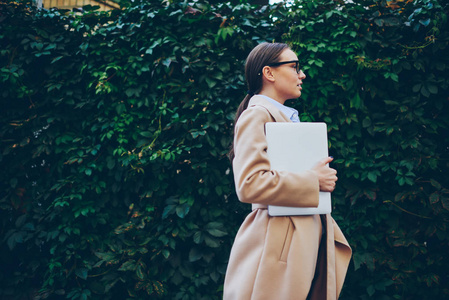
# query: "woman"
282 258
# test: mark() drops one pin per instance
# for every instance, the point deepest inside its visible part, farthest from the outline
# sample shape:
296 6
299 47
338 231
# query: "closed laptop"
297 147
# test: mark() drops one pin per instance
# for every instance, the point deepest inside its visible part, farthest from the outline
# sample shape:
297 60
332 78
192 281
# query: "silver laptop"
296 147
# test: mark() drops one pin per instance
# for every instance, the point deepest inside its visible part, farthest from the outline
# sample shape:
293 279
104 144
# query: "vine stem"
406 211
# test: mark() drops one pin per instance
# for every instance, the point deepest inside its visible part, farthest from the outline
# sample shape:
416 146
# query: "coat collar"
277 115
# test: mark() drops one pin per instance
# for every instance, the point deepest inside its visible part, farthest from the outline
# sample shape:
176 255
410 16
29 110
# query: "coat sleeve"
254 180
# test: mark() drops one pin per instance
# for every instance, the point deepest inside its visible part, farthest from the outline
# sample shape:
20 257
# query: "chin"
297 96
294 96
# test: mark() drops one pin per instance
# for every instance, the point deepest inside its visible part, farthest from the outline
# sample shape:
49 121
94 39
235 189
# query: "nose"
301 75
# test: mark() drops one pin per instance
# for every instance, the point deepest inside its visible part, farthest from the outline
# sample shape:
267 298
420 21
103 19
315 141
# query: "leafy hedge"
115 179
115 128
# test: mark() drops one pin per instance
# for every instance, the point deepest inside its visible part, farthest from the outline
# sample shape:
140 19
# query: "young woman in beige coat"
279 258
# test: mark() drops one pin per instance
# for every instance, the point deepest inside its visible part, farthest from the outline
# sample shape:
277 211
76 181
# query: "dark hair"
262 55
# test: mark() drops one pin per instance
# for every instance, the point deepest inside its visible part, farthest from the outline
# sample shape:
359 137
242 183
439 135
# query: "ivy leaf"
211 82
140 272
168 210
182 210
198 237
445 202
81 273
166 253
435 184
425 22
129 265
211 242
195 254
434 198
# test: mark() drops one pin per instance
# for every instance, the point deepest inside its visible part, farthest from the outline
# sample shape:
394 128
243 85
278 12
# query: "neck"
272 94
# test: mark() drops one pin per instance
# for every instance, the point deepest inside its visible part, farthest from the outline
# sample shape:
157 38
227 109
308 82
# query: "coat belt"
259 206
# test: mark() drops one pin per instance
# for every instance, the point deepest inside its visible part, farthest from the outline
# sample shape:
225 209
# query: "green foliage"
115 128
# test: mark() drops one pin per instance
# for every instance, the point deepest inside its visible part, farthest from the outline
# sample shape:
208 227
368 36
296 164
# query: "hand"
326 176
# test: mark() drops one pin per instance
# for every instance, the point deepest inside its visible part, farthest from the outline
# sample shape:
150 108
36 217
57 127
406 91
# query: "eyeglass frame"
277 64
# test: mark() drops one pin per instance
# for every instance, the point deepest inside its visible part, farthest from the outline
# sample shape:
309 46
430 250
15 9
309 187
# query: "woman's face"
287 81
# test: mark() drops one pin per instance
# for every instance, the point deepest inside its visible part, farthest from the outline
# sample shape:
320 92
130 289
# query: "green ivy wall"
115 128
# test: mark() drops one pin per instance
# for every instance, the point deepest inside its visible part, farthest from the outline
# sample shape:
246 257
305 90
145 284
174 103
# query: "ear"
268 74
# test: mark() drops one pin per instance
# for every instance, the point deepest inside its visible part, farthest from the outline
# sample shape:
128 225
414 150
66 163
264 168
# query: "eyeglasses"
296 62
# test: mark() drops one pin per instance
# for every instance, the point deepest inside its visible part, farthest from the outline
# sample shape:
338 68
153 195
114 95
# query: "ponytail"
243 105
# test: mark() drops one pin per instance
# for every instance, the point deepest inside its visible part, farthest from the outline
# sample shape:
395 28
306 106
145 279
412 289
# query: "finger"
327 160
328 188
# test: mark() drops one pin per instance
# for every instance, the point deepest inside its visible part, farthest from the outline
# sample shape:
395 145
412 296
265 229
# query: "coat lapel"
277 115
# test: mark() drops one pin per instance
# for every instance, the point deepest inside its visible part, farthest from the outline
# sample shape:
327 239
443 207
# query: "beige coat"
279 258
